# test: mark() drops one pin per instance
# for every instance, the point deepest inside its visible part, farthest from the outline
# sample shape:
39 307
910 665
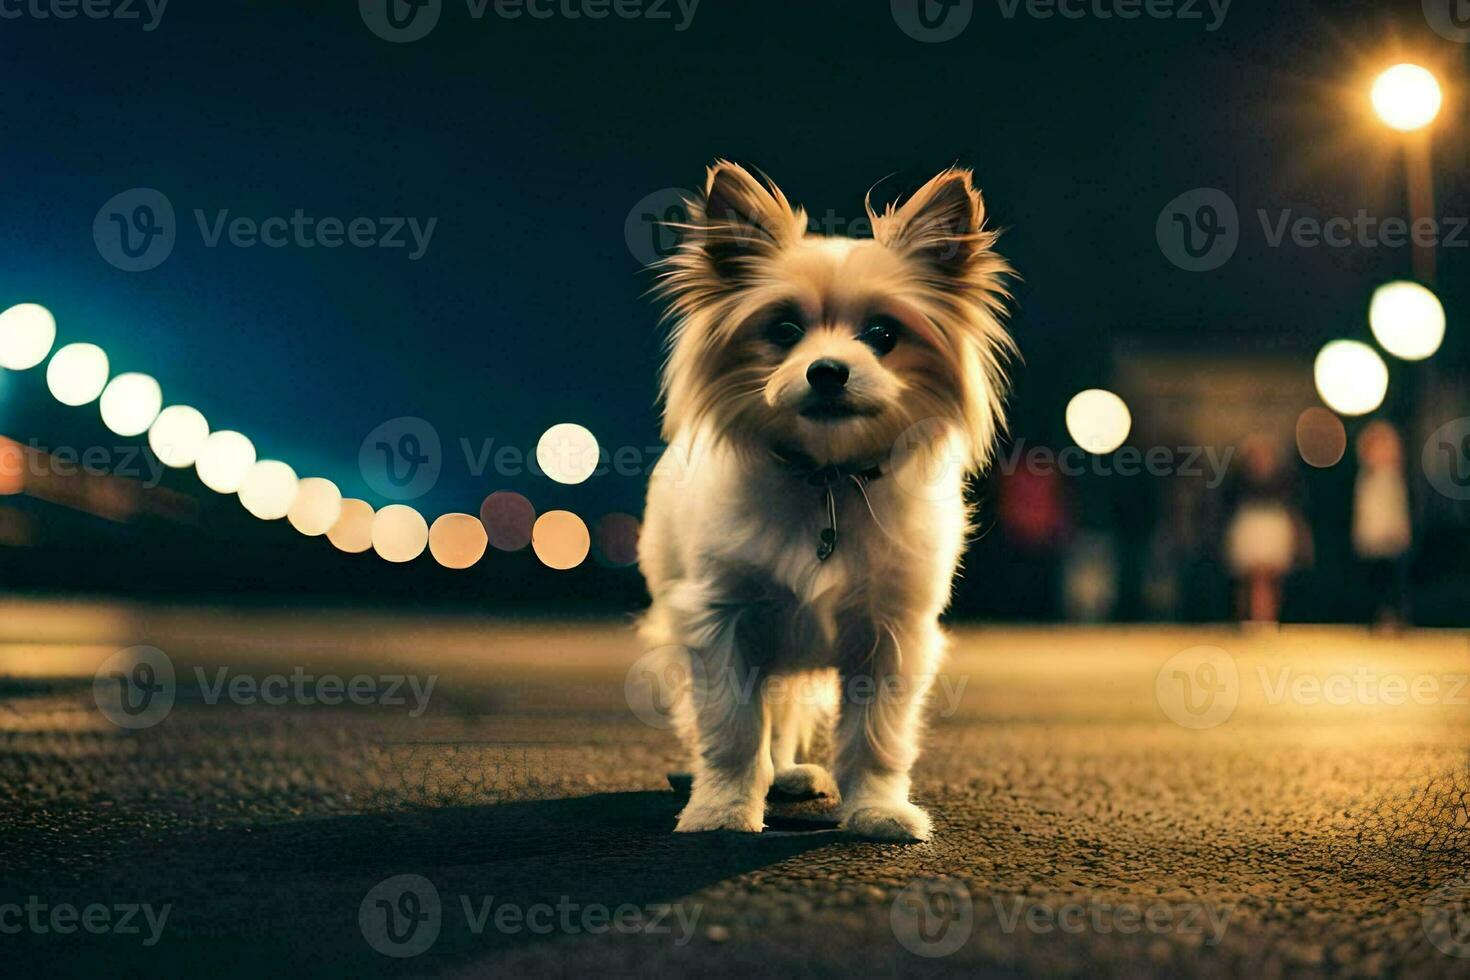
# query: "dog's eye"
784 332
881 335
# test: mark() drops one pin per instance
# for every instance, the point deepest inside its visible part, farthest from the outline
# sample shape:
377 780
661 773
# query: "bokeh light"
223 462
317 506
1321 438
1098 420
616 540
1407 319
1407 97
457 540
130 403
353 531
178 435
27 331
560 539
77 374
567 453
508 518
269 489
400 533
1351 378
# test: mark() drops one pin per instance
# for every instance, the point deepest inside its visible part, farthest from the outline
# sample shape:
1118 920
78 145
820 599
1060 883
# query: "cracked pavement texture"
1320 826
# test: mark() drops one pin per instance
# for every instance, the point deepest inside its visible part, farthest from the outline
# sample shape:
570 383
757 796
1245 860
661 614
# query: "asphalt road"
1106 802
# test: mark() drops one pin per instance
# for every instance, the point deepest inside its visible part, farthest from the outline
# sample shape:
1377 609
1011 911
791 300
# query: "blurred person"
1266 536
1382 530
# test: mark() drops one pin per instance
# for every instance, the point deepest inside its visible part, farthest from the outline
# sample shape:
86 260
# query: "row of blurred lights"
1407 320
225 462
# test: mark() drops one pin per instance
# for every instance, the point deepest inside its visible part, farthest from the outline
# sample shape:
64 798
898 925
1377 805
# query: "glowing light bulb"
458 540
224 461
1351 378
77 374
130 403
1407 97
317 508
178 435
27 331
1407 320
353 530
560 539
1098 420
400 533
269 490
567 453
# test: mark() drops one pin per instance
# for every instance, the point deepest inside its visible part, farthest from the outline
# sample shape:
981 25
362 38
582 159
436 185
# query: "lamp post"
1408 98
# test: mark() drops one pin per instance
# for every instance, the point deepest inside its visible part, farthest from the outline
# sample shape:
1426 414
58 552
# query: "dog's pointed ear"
740 218
942 224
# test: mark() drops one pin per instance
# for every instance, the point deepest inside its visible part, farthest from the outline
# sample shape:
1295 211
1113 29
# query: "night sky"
531 140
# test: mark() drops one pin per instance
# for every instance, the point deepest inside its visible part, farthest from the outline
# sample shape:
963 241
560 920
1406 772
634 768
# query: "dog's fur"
729 546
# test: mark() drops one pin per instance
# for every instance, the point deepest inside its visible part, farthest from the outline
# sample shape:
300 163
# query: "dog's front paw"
700 816
900 821
805 781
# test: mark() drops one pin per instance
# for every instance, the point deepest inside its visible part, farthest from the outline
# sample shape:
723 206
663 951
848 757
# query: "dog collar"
828 477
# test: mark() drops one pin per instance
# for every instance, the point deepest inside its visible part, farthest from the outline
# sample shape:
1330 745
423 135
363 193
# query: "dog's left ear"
940 225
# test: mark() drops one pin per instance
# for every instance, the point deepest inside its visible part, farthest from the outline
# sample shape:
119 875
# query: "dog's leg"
878 732
796 710
732 765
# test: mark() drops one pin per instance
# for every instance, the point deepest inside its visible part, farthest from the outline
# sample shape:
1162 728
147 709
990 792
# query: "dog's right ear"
739 219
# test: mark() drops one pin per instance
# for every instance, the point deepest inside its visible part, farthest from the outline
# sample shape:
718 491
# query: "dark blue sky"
531 140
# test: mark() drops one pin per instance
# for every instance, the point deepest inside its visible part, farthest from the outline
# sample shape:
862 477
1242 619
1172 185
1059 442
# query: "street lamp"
1407 97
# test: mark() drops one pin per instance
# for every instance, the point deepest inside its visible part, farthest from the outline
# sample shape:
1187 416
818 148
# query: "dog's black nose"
826 376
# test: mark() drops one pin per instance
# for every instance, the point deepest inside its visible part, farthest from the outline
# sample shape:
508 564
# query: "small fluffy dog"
825 399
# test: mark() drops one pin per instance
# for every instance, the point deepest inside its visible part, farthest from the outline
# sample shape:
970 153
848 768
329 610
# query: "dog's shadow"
300 886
